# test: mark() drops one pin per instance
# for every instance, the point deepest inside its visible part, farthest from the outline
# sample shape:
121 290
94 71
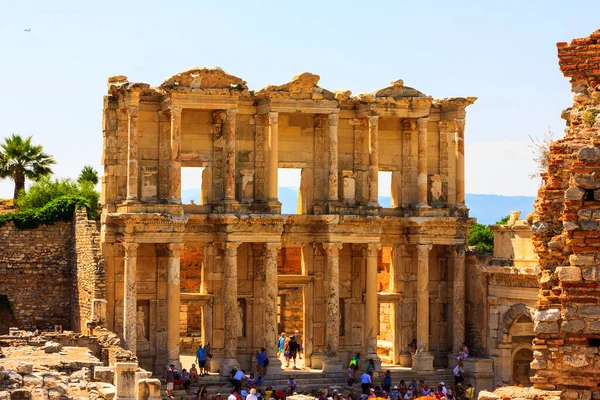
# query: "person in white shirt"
252 395
232 395
443 388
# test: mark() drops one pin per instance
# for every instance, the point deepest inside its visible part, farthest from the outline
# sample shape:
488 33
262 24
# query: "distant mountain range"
487 208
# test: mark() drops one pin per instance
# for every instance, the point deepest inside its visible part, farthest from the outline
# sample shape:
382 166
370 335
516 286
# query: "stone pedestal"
405 359
125 380
422 362
332 365
148 389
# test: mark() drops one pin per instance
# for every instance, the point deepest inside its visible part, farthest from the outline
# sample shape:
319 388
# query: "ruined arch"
510 317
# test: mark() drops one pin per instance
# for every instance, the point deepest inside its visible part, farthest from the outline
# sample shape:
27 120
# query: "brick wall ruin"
51 274
566 237
35 270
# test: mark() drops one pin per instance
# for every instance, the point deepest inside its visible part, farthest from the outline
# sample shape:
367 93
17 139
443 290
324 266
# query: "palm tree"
20 159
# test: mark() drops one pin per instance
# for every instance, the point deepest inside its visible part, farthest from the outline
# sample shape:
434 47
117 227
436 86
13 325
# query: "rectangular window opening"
385 189
288 191
191 185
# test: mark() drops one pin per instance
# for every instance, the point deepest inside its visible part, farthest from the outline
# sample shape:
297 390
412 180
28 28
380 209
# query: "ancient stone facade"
330 250
566 237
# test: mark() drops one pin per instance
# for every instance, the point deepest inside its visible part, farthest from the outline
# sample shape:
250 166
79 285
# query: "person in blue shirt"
201 358
260 361
281 343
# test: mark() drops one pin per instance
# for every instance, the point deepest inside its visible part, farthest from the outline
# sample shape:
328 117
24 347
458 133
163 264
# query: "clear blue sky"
503 52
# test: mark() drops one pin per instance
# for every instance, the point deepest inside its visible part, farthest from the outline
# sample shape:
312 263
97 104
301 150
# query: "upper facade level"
204 117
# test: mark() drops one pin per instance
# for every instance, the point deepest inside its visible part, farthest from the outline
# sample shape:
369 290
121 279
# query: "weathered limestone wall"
88 273
566 237
36 274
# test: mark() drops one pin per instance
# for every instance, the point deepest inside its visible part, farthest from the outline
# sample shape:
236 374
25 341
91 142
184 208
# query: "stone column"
422 163
371 303
173 303
175 163
423 360
397 279
271 289
132 154
333 157
273 155
229 135
458 298
373 162
230 300
460 161
130 297
332 362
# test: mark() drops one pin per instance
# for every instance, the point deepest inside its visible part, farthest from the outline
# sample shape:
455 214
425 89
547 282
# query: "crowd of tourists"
374 384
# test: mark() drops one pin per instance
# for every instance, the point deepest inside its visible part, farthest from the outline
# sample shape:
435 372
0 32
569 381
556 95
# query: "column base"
174 200
376 360
215 363
176 363
422 205
227 365
452 359
423 362
274 367
405 360
372 204
332 364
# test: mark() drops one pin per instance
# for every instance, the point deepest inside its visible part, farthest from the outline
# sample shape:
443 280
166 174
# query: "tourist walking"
201 359
293 349
171 378
209 356
365 382
260 361
281 344
458 372
386 381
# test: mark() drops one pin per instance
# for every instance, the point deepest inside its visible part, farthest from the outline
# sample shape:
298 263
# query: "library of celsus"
234 271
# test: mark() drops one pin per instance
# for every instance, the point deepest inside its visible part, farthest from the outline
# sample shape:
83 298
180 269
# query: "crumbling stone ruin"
566 237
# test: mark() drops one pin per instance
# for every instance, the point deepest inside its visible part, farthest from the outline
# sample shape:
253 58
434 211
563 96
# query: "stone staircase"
311 380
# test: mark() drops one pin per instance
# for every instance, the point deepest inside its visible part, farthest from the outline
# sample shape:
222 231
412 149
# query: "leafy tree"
20 160
46 190
88 174
482 237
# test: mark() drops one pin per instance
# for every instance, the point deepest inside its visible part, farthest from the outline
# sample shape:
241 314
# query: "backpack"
266 363
177 376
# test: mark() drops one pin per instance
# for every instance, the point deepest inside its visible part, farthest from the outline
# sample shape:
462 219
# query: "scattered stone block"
52 347
20 394
104 374
25 368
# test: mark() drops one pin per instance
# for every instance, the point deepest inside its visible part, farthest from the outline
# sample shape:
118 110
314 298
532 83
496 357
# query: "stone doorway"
521 367
290 307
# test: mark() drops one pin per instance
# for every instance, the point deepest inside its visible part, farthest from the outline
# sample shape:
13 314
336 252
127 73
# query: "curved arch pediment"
204 78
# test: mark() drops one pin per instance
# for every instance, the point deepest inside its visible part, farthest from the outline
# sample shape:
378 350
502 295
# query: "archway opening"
521 367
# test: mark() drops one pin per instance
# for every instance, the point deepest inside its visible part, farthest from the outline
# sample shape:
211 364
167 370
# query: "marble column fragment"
175 163
229 135
371 303
332 362
423 360
373 161
173 303
333 120
132 145
273 155
271 289
230 300
130 297
422 163
458 298
460 161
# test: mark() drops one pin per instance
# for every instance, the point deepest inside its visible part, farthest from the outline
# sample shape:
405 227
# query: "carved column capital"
173 249
231 248
373 250
273 117
132 111
447 126
333 118
424 249
332 249
130 249
272 247
422 123
175 112
320 121
373 121
230 113
460 125
459 251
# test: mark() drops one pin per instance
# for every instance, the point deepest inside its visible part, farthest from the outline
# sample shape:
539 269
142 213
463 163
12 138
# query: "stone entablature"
513 245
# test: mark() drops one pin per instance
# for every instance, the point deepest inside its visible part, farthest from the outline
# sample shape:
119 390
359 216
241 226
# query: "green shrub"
589 117
46 190
482 237
60 209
